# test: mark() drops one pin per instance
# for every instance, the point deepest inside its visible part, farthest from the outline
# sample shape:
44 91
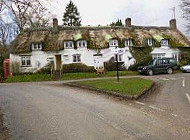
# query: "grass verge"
74 76
126 87
66 76
29 78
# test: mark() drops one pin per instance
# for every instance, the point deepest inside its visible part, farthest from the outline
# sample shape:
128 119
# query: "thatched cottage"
34 49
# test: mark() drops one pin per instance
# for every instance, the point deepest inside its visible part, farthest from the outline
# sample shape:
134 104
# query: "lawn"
29 78
66 76
127 86
73 76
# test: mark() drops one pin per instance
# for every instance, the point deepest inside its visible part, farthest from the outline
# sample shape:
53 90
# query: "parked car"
167 65
185 68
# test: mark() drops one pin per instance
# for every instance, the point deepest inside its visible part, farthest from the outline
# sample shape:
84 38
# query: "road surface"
51 111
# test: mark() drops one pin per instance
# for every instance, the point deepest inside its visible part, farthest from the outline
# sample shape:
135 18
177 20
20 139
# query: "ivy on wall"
142 55
185 56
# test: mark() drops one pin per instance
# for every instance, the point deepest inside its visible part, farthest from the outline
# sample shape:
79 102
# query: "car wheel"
169 71
150 72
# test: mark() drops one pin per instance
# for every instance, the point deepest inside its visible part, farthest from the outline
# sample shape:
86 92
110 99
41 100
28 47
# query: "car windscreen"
152 62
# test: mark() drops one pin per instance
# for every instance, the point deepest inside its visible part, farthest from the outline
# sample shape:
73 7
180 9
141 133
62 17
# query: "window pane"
74 58
28 62
36 46
79 59
120 58
23 63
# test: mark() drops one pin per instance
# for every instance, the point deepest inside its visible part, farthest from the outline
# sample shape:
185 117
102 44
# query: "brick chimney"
55 25
173 24
128 22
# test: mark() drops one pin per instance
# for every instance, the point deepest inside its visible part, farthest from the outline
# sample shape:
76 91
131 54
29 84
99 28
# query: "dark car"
166 65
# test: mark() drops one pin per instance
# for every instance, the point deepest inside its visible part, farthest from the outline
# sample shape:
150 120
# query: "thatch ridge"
97 37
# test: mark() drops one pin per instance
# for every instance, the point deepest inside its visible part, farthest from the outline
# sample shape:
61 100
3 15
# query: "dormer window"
128 43
113 43
150 42
82 44
68 44
36 46
164 42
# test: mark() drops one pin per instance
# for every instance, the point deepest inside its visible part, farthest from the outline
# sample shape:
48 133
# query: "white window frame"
150 42
81 44
36 46
128 43
68 44
164 42
77 58
175 56
113 43
26 61
120 57
158 56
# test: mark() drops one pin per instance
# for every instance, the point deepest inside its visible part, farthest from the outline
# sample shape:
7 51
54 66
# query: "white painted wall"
40 59
167 52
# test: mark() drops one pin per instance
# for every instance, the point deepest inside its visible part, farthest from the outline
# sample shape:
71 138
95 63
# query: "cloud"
103 12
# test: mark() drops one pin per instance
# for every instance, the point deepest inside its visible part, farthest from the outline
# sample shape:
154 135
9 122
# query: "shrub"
112 66
78 67
15 68
136 65
46 69
3 55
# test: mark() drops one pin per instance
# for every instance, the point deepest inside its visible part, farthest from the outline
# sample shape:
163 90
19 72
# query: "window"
128 43
150 42
159 62
77 58
164 42
25 61
165 61
81 43
68 44
113 43
175 56
157 56
36 46
119 57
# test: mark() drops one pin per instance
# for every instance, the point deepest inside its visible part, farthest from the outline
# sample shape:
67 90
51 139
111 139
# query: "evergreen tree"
71 16
118 23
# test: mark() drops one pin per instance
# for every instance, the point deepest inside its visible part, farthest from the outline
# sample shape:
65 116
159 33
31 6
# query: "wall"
39 59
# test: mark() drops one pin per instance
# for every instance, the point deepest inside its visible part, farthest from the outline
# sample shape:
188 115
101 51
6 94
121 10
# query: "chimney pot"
55 25
173 24
128 22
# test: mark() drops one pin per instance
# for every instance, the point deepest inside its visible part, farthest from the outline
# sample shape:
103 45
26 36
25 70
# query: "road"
51 111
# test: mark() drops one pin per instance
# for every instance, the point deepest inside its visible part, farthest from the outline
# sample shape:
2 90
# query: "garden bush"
46 69
78 67
135 66
111 65
15 68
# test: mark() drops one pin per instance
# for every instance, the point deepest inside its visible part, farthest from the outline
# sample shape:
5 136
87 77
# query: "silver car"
185 68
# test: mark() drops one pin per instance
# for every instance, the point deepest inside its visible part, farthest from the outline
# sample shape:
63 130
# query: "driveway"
48 111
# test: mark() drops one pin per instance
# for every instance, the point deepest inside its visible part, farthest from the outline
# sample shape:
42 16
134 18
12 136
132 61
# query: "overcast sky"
103 12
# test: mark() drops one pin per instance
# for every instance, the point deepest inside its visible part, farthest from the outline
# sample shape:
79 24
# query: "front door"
58 62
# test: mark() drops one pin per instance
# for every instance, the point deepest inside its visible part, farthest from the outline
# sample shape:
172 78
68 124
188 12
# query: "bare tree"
7 32
27 13
185 6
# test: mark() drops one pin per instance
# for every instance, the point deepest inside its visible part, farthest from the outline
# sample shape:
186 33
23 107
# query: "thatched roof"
97 37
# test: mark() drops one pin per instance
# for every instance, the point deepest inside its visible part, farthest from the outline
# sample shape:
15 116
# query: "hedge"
77 67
